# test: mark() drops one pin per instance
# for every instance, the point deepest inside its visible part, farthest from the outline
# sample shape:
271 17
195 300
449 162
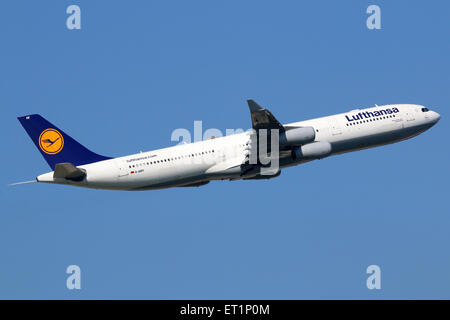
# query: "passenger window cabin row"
148 163
370 120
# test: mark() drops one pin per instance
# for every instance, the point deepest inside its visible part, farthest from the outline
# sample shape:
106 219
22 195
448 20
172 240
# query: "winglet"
253 105
262 118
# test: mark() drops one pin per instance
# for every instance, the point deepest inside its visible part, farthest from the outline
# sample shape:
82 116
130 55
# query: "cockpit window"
425 110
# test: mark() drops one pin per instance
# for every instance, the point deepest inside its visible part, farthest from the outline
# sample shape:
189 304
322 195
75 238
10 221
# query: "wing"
263 118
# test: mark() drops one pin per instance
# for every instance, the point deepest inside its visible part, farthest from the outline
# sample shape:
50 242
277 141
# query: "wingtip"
253 105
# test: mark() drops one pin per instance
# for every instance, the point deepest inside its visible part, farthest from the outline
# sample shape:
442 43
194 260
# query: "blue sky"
137 70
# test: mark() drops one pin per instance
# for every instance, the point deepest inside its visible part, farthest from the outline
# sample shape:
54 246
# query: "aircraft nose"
435 117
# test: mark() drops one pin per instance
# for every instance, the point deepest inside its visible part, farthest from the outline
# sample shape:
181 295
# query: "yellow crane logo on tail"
51 141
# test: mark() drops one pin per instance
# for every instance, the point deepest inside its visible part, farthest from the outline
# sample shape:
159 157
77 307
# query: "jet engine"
315 150
297 136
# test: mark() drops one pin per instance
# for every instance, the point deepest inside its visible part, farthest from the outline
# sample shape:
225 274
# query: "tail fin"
55 145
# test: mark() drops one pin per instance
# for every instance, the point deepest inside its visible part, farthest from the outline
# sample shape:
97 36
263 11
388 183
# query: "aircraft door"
124 170
409 117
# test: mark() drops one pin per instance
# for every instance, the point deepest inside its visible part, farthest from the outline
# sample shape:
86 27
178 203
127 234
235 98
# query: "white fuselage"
220 158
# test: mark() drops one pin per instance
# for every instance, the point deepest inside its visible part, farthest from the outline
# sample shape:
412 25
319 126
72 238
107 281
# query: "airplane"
224 158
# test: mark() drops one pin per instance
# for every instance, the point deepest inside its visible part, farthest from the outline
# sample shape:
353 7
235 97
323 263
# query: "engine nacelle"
315 150
298 136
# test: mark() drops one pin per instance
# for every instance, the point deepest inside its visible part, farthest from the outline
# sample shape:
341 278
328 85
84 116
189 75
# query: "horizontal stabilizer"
69 171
